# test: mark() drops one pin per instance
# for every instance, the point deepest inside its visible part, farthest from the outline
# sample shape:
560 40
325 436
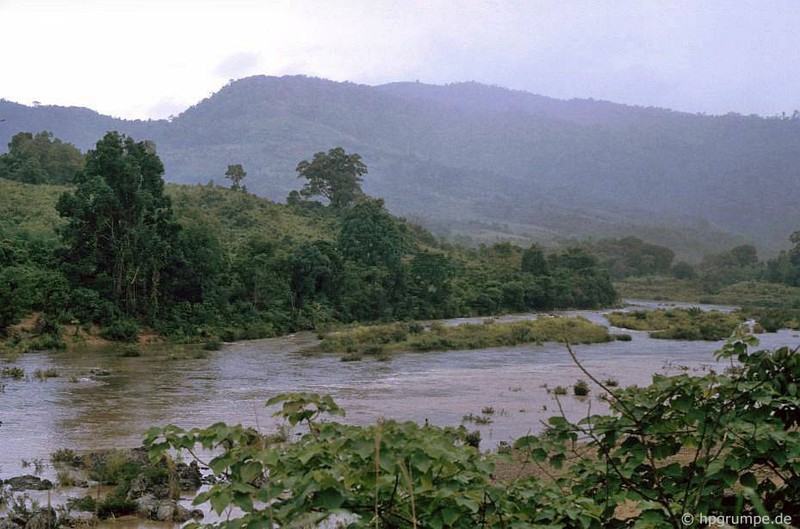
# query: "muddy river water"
75 411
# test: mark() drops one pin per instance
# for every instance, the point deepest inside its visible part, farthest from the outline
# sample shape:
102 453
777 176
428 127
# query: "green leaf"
329 499
220 501
748 479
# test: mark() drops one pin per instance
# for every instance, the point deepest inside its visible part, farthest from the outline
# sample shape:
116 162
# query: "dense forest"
106 243
483 163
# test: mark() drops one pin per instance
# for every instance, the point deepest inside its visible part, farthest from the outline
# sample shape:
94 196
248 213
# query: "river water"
75 411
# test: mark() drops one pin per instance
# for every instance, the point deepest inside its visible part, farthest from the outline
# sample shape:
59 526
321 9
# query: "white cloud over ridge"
146 58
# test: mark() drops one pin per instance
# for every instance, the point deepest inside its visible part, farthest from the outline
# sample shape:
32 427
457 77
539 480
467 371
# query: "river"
75 411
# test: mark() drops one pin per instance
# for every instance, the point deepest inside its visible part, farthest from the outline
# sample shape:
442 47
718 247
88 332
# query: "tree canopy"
121 230
40 159
335 176
235 174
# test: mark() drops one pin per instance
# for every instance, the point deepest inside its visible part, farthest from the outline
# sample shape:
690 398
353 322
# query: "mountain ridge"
462 153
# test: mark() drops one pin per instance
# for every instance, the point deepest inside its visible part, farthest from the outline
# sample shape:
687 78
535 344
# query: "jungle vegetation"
118 248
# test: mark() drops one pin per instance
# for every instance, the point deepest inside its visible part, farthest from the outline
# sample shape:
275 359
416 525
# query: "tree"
315 275
335 176
235 174
40 159
121 231
745 255
370 236
534 261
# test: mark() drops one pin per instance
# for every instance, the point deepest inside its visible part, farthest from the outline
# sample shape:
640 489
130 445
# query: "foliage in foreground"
414 337
719 444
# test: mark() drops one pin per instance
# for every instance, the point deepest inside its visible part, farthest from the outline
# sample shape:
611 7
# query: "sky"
143 59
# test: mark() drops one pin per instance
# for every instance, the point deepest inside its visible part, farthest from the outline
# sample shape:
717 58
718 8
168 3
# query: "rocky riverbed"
103 484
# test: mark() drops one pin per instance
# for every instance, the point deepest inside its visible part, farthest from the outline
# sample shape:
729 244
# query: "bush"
131 351
64 455
212 344
121 331
17 373
45 342
86 504
580 389
115 506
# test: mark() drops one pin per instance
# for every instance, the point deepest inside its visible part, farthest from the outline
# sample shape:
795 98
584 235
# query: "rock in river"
28 482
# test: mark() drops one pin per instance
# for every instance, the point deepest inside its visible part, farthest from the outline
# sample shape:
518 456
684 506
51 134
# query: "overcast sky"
153 58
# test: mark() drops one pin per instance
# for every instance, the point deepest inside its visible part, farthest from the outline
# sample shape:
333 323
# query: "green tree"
316 271
430 277
121 231
40 159
683 270
371 236
534 261
236 174
335 176
745 255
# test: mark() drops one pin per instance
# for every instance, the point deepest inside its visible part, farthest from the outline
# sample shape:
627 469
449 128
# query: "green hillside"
488 163
120 250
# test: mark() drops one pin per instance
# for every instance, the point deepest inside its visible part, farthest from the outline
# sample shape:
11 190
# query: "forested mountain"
486 161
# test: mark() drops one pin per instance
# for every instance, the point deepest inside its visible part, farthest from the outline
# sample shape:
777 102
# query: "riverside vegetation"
414 336
114 252
727 444
680 324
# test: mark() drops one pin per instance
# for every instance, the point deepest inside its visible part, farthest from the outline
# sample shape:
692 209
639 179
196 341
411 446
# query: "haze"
151 59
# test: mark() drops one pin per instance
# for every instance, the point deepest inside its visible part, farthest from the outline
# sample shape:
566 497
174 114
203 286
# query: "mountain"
486 162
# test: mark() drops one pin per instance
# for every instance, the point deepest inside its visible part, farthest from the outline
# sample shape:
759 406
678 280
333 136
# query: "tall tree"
235 174
370 235
335 176
121 229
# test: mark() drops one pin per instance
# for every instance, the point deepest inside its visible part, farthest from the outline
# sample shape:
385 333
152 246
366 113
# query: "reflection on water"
231 385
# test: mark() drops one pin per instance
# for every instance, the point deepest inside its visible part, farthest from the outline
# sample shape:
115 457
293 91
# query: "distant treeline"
632 257
203 261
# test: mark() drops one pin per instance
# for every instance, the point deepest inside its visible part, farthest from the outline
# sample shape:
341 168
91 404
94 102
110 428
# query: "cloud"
238 65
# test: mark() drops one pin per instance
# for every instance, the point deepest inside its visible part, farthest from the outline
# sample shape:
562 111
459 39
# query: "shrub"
131 351
44 374
64 455
212 344
15 372
580 389
115 506
121 331
86 504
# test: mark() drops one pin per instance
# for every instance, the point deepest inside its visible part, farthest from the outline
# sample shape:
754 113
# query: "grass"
380 339
658 288
743 294
680 324
17 373
44 374
773 319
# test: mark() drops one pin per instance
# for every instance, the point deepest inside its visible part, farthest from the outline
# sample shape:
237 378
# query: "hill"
205 261
486 162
